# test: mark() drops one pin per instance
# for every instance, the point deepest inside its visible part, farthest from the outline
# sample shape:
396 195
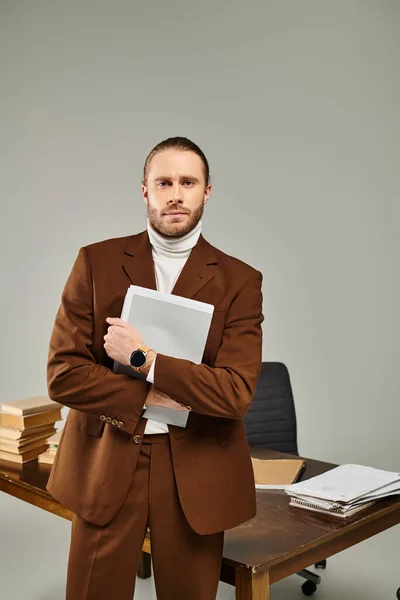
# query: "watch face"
138 358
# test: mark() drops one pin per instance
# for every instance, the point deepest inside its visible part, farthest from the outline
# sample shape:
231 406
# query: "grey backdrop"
296 106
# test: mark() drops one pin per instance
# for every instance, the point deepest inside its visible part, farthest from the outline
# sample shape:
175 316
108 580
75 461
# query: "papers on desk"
344 490
172 325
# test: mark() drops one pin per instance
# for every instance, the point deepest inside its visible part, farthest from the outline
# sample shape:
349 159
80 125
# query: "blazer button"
108 420
120 424
102 417
114 422
137 439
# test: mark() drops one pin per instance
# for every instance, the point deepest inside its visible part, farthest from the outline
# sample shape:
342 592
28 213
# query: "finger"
116 321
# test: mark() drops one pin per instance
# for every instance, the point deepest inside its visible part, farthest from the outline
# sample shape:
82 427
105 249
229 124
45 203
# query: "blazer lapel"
138 261
198 270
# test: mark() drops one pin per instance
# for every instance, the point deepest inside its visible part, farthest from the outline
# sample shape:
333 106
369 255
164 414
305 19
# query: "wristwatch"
138 358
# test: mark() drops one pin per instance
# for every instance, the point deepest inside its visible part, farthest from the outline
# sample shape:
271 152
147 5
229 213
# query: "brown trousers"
103 561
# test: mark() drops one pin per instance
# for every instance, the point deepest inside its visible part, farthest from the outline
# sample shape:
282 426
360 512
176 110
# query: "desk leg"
144 566
252 585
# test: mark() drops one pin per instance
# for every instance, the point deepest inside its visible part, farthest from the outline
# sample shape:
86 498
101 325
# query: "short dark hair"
180 143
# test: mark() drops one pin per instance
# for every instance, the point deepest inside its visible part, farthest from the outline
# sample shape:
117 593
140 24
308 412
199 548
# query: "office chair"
270 423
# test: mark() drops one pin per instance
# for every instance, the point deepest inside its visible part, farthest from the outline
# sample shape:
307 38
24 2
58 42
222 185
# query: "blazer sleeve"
226 389
74 379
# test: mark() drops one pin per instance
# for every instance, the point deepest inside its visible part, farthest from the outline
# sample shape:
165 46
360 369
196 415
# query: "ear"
144 193
207 193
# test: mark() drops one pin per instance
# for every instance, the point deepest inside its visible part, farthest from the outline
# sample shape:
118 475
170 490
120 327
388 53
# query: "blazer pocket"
230 431
93 425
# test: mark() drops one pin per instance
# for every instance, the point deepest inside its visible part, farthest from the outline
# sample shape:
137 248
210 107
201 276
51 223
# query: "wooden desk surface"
281 538
281 535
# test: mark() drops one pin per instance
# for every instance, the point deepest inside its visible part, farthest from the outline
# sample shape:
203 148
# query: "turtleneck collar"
174 247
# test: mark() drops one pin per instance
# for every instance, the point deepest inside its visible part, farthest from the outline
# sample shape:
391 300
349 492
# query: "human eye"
188 181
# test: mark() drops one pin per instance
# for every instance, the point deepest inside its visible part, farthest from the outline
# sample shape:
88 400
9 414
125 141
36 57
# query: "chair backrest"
270 421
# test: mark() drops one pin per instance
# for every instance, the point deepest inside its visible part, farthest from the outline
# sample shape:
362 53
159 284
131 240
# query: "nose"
175 195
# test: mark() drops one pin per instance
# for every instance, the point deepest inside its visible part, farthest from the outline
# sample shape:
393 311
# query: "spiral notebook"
334 511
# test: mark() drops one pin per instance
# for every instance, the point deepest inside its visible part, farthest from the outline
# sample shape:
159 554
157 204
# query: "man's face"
175 191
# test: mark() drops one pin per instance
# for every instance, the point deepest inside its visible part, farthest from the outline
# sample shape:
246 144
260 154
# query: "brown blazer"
95 460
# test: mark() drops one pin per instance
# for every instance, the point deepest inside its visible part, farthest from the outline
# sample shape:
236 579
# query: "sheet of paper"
170 324
387 490
163 414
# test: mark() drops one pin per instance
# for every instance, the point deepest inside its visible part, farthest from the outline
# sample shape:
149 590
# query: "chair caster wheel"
398 594
308 588
321 564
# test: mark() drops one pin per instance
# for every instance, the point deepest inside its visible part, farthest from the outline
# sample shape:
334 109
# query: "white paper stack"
172 325
344 490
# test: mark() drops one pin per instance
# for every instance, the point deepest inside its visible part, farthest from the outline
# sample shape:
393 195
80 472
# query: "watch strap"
144 348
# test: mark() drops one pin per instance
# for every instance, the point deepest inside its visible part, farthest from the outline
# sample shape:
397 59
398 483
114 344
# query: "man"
119 472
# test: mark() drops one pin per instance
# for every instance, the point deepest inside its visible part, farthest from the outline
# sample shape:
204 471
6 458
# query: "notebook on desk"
333 511
276 474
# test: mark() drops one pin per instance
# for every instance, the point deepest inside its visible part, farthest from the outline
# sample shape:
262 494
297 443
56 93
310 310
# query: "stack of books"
48 456
25 426
344 490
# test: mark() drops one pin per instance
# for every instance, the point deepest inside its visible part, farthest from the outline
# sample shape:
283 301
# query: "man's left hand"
121 340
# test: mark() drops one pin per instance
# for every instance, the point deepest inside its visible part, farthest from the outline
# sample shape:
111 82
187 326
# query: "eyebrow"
162 178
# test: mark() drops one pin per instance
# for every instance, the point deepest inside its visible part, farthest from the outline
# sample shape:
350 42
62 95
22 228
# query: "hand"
121 340
157 398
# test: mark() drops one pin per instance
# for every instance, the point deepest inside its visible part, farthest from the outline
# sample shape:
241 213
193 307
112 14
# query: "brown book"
22 458
54 439
42 418
33 435
46 458
19 447
276 473
11 433
29 406
24 449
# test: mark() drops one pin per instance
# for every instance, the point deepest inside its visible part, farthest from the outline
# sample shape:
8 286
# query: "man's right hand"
157 398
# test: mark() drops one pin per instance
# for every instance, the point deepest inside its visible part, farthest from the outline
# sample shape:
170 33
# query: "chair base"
310 576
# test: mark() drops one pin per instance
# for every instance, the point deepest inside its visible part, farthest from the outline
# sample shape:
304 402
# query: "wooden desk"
278 542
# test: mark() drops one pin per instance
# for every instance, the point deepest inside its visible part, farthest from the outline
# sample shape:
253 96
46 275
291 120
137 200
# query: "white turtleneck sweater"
169 255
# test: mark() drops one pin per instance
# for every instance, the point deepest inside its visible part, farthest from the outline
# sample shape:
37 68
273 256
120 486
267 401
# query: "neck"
173 246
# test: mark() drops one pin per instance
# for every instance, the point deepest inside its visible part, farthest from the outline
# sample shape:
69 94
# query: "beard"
159 222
